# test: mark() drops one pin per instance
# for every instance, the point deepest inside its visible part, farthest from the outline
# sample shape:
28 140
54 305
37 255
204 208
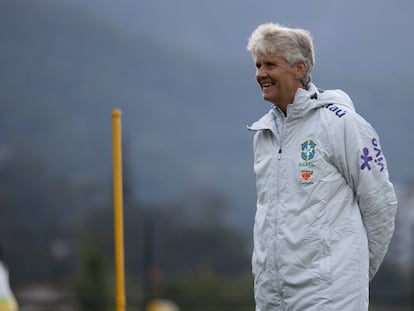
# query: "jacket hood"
336 97
312 98
305 101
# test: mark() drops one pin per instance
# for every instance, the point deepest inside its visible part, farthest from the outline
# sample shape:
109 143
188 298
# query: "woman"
325 205
7 300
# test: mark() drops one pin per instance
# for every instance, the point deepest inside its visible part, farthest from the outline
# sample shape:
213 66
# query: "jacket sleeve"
359 157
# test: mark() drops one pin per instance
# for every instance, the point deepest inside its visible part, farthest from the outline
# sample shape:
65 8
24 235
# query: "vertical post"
118 210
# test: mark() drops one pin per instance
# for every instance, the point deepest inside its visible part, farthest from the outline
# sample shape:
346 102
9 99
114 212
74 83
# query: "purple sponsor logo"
376 157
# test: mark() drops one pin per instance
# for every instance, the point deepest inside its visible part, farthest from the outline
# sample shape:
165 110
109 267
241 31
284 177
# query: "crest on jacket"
308 150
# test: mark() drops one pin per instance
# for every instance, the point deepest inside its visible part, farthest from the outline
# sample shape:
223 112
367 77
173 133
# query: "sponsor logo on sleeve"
338 111
372 156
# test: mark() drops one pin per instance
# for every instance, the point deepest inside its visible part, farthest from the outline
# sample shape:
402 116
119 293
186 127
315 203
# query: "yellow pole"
118 210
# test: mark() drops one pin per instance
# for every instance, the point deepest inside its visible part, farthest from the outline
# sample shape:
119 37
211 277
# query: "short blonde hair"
293 45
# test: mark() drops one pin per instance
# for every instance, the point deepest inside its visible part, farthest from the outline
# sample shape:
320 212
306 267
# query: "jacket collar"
297 109
267 122
305 101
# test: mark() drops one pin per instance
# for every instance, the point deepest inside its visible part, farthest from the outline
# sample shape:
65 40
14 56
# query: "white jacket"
325 205
7 299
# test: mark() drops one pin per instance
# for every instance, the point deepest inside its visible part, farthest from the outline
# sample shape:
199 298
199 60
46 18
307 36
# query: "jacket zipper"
277 214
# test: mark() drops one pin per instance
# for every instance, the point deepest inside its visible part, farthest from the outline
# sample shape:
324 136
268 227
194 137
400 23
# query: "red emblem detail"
306 175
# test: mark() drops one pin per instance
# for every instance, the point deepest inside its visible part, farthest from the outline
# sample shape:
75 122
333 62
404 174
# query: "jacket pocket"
325 271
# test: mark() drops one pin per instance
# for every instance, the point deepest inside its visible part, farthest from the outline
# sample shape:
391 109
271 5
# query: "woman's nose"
261 73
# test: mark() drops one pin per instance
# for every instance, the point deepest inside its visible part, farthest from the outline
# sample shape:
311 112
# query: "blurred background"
180 72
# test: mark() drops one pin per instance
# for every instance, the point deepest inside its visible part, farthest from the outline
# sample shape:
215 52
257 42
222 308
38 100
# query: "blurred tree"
93 291
204 291
36 210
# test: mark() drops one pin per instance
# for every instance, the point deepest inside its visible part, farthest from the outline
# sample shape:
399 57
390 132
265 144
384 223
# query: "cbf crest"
308 150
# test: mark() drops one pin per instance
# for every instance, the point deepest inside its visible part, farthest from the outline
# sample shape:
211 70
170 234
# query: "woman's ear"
300 68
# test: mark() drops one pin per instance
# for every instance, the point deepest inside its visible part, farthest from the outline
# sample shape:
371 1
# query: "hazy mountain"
181 75
361 47
63 72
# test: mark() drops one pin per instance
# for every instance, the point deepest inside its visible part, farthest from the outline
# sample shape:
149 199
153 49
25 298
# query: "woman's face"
278 80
